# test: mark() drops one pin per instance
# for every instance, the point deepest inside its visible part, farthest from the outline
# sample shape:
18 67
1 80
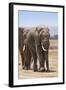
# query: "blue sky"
32 18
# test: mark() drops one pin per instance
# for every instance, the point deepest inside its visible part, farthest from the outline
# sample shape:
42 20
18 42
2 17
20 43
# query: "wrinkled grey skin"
34 43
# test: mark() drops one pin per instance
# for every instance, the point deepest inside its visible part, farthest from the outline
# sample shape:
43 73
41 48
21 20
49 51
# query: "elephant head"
44 37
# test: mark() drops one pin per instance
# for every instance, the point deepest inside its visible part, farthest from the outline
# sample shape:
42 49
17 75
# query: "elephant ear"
25 32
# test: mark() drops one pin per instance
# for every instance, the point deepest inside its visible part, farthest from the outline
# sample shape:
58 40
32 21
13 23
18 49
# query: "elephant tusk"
23 47
44 48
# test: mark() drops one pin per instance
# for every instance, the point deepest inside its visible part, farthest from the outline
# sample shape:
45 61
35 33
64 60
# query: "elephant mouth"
44 48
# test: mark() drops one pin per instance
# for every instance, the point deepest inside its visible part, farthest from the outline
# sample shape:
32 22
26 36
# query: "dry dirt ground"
53 65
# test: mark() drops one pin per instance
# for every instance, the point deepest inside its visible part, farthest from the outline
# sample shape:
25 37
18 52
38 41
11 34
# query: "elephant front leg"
42 68
39 52
42 61
47 61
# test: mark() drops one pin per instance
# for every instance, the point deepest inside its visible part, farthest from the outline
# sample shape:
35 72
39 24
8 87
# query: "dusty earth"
53 65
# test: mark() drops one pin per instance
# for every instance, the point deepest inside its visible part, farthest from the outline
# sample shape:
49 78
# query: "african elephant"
35 43
22 33
44 41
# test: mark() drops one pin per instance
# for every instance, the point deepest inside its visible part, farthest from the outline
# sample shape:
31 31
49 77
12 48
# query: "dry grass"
53 65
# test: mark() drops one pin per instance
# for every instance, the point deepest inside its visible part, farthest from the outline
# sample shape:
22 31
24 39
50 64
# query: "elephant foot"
47 70
41 69
26 68
35 69
23 67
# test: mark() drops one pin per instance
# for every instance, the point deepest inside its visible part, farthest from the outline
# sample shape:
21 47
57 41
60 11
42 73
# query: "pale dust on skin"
53 65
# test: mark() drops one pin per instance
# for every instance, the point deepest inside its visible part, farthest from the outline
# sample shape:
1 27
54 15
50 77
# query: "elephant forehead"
46 30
